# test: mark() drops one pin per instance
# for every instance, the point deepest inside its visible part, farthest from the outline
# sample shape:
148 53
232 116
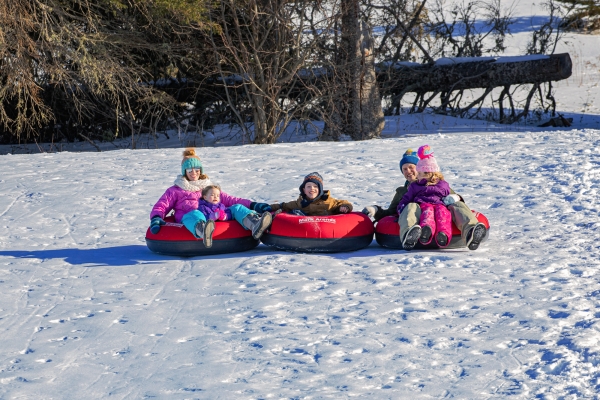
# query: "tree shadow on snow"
522 24
448 125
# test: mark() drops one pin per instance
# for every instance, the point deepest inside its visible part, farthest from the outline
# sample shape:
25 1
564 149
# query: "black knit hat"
315 178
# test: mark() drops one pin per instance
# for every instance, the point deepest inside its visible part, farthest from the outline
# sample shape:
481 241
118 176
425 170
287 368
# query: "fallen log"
444 75
449 74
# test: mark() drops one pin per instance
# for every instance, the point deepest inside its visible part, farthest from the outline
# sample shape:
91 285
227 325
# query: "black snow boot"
475 236
257 224
411 238
425 235
441 239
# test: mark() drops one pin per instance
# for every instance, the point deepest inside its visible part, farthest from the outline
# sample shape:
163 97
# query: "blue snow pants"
238 212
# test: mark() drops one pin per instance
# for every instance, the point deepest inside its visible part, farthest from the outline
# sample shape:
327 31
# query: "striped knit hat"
315 178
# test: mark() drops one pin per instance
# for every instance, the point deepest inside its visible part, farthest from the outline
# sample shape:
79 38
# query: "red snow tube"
319 234
387 234
174 239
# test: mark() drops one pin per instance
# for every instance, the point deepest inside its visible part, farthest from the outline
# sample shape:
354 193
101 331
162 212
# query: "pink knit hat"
427 162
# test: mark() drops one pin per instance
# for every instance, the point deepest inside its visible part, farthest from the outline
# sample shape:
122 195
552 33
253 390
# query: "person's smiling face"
410 172
311 190
193 174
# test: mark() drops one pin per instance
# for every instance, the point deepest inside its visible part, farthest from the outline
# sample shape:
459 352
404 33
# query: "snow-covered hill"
86 310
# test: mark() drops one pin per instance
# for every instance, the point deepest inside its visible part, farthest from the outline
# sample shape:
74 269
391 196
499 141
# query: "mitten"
451 199
298 212
155 224
260 207
370 211
227 216
344 209
214 215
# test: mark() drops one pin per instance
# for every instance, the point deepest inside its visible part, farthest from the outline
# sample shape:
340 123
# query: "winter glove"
214 215
298 212
155 224
370 211
344 209
451 199
260 207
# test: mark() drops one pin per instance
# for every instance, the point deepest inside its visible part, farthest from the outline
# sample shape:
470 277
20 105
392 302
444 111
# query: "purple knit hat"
427 161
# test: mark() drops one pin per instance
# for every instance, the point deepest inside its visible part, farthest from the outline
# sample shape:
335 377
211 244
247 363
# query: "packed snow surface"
87 310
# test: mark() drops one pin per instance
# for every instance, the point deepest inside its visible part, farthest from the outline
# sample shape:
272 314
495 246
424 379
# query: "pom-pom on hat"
315 178
427 161
409 157
190 160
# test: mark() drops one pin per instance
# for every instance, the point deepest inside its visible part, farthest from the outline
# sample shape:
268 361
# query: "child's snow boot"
257 224
475 236
204 230
411 238
443 225
441 239
428 223
425 234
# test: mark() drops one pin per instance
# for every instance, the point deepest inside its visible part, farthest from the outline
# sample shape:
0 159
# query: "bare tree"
356 103
260 50
100 69
87 68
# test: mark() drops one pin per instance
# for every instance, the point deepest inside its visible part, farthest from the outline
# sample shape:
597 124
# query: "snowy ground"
87 309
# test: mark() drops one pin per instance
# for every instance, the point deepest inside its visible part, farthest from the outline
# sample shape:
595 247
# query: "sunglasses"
189 170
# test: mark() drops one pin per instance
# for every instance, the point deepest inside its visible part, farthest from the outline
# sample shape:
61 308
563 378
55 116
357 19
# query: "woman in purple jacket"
183 197
428 191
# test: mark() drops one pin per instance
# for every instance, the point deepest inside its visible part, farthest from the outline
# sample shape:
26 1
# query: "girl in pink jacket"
183 197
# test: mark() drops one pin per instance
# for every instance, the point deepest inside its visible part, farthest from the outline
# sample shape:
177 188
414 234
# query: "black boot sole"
411 238
265 222
425 235
441 239
476 236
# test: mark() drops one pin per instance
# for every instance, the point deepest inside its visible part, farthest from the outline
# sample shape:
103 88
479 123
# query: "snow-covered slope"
87 311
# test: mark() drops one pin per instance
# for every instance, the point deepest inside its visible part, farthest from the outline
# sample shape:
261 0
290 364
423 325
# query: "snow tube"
174 239
319 234
387 234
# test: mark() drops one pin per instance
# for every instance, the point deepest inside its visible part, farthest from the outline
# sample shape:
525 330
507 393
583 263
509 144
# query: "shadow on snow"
119 256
